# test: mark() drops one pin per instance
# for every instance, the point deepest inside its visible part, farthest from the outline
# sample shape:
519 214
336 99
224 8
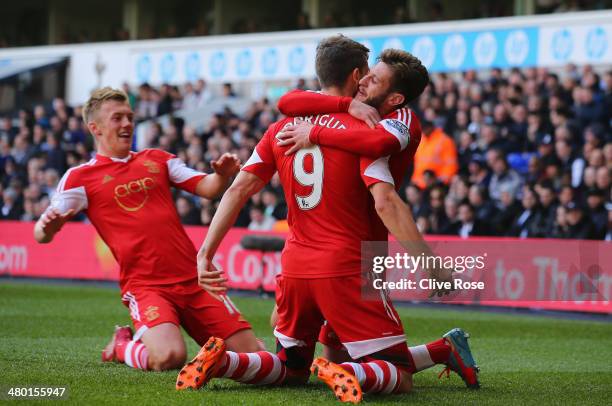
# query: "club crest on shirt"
152 313
151 166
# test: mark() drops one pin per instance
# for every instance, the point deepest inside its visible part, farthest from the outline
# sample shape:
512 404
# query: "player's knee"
167 358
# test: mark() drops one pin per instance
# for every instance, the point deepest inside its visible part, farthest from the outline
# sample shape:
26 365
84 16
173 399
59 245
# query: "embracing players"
127 198
329 208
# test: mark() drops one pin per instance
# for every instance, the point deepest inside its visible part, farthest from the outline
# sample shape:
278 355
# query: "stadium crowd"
524 153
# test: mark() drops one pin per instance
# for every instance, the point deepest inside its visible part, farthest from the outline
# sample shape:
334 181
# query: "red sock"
428 355
133 354
375 376
261 368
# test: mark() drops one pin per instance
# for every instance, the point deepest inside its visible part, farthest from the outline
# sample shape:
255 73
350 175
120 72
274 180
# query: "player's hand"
298 135
211 279
227 165
52 220
441 275
364 112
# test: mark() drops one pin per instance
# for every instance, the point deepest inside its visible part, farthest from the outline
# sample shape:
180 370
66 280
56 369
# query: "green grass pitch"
52 336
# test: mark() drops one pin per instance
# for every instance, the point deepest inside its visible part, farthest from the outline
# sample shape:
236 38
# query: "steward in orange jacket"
436 152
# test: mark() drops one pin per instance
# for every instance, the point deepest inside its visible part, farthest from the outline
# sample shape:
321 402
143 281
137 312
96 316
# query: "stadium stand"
533 152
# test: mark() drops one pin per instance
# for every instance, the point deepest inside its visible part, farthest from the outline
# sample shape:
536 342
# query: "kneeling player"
127 198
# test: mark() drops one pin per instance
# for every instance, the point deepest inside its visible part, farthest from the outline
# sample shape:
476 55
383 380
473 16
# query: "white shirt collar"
124 160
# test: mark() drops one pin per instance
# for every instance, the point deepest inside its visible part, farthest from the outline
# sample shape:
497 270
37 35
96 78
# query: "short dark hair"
410 77
337 57
466 203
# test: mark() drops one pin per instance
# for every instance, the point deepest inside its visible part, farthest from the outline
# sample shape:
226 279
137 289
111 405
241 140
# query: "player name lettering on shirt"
324 120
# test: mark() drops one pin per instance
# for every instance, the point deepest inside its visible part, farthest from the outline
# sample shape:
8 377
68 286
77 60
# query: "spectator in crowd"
451 211
503 177
570 163
11 207
548 206
437 152
561 226
186 211
602 180
260 221
599 215
468 225
579 226
302 22
272 206
529 221
484 209
478 172
414 197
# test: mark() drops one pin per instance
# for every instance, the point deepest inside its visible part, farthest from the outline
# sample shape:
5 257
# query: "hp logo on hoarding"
562 45
596 43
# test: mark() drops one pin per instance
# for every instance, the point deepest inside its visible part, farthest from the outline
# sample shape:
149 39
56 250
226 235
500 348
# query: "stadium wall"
543 40
516 266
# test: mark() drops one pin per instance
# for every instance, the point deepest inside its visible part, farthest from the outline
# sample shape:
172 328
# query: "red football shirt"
401 125
328 203
129 202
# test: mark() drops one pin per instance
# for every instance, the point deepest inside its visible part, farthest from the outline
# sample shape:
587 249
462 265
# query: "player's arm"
300 103
255 173
211 186
388 137
69 199
304 103
396 215
244 186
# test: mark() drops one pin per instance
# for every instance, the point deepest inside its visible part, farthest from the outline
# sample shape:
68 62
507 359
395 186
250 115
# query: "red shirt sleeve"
391 135
368 142
262 162
375 171
179 174
301 103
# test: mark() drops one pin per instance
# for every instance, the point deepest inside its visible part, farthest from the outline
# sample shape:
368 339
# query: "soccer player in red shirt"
328 212
127 198
392 213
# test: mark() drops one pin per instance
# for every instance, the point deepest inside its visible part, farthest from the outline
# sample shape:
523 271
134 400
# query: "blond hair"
98 97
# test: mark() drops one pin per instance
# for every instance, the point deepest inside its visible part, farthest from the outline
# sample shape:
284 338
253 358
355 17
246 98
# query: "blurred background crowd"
523 153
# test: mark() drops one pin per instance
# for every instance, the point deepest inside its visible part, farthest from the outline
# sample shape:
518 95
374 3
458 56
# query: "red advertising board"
79 253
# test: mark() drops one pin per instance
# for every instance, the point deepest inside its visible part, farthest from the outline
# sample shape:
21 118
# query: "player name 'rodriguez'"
428 284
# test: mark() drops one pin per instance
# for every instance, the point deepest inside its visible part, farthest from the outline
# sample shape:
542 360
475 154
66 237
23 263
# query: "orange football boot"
345 385
202 368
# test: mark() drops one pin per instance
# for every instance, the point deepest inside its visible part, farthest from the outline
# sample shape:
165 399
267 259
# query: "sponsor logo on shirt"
398 125
133 195
107 178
